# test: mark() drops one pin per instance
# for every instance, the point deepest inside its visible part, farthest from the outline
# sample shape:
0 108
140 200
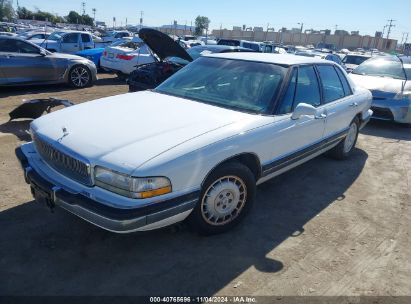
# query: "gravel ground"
335 228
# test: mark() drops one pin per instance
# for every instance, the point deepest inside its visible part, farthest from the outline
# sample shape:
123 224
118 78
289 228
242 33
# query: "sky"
367 16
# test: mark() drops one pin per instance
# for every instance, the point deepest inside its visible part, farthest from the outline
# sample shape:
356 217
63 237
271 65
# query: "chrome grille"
63 163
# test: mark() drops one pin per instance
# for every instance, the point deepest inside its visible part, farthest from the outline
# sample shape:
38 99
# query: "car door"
338 100
300 138
21 62
70 43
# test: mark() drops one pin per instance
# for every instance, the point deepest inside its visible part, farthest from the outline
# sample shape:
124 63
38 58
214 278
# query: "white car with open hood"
195 147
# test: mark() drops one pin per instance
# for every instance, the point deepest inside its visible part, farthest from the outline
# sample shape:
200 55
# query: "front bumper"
119 220
392 110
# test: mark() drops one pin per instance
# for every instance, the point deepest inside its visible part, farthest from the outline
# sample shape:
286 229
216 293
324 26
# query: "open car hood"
162 45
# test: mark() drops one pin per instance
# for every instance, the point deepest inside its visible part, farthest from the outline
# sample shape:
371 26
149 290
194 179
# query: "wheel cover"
224 200
80 77
350 138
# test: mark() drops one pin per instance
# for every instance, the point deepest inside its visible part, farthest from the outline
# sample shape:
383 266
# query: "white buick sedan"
195 147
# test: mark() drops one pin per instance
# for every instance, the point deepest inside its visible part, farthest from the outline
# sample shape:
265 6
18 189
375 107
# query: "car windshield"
384 68
357 60
55 36
234 84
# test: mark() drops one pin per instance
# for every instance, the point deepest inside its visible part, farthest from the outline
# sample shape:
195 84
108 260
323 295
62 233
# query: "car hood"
162 45
125 131
375 83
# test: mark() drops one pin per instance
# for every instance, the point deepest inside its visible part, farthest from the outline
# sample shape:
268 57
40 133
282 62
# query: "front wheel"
80 77
345 148
226 197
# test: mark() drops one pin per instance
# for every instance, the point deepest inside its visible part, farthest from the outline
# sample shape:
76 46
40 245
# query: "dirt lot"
325 228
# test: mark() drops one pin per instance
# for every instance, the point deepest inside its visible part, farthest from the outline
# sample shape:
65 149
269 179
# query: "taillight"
105 54
125 57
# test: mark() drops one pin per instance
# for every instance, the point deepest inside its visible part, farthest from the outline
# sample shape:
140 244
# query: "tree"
73 17
202 23
24 13
76 18
6 10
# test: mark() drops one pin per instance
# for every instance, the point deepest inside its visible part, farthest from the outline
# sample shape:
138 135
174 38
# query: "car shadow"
34 89
58 254
53 88
387 129
20 128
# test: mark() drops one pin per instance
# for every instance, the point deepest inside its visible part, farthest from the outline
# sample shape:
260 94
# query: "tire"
345 148
226 198
80 77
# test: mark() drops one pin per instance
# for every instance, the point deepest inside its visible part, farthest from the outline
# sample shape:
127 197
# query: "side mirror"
303 109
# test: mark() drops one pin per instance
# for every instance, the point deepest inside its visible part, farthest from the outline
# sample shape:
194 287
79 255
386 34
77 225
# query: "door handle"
321 116
354 105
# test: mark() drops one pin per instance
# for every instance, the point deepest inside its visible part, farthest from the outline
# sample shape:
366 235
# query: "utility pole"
383 30
94 15
141 19
402 39
336 27
405 42
389 27
83 5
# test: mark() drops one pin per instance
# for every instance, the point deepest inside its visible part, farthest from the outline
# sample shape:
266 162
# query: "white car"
69 42
196 147
123 58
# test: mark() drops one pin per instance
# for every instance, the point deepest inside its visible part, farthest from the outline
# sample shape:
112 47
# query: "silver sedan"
24 63
389 80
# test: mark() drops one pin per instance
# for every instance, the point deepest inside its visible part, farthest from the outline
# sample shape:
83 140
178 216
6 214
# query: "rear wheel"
80 76
345 148
226 197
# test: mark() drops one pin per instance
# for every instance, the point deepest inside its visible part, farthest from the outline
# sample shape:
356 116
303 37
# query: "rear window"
252 46
131 45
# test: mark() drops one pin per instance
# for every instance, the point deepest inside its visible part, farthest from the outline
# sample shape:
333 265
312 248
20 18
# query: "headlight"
134 187
403 95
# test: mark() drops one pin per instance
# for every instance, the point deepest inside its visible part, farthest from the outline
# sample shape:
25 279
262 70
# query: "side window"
25 48
308 90
85 38
332 87
70 38
118 35
288 99
346 85
7 45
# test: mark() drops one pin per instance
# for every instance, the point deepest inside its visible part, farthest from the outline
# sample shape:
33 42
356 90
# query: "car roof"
282 59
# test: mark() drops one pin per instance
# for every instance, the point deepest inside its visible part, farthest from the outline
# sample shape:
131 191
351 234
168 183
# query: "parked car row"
150 59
